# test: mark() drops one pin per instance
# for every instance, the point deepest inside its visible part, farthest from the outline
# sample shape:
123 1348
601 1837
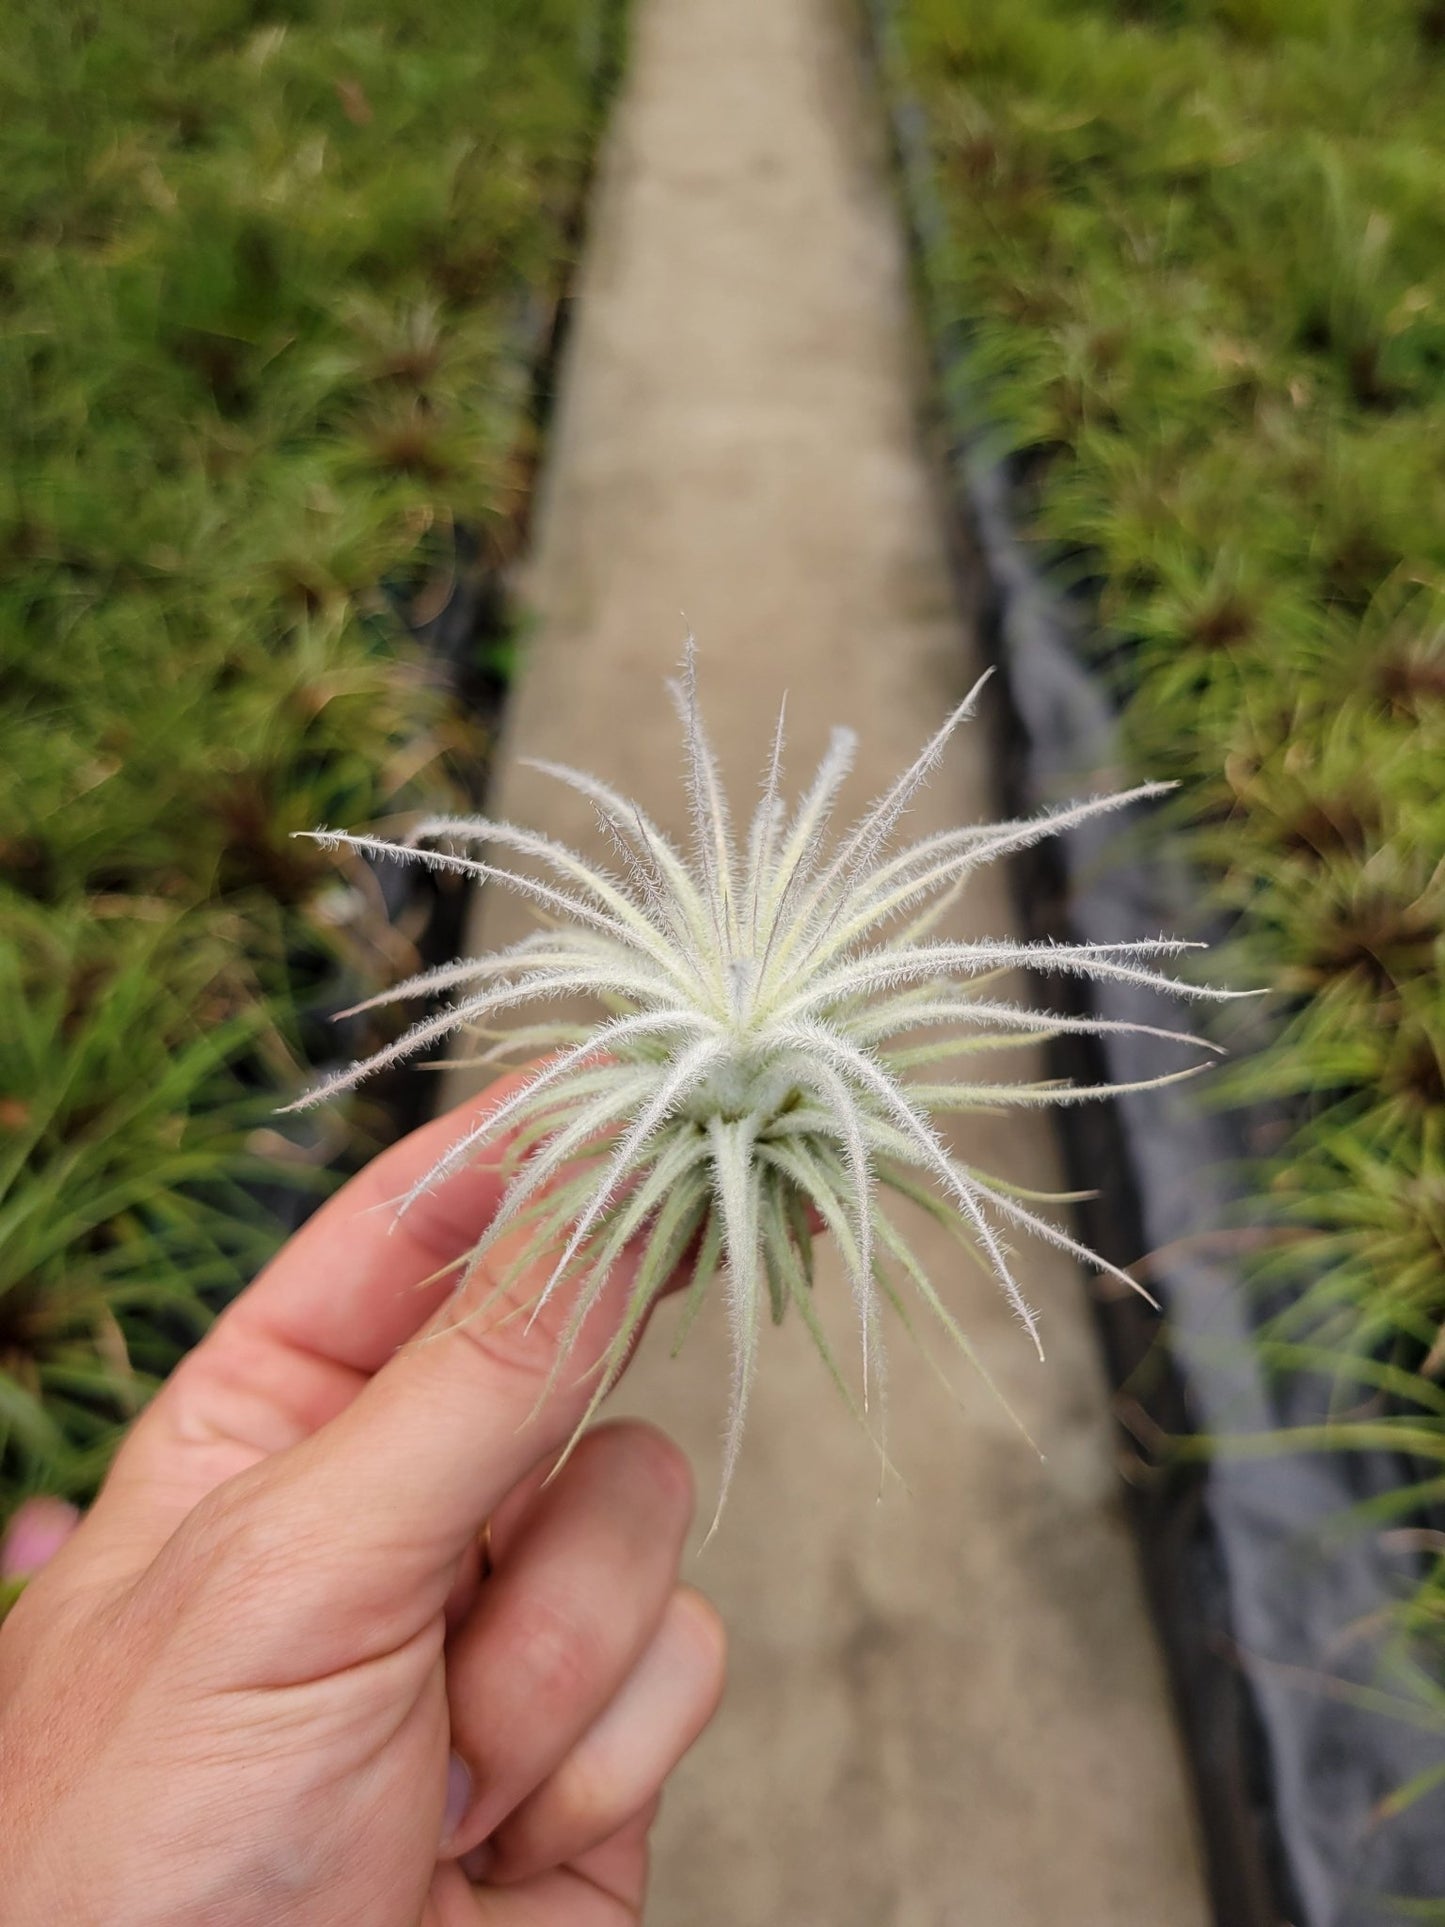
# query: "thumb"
370 1518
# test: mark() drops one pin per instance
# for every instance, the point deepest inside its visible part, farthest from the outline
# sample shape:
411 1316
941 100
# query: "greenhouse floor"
946 1705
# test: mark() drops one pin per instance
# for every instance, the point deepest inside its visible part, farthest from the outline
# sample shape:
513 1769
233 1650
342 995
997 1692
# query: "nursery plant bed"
1271 1606
462 619
323 378
1274 1609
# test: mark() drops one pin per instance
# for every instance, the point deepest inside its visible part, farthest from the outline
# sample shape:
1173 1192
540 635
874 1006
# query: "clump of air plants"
756 1070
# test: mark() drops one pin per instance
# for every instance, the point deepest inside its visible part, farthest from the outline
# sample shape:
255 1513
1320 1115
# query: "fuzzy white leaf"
748 1069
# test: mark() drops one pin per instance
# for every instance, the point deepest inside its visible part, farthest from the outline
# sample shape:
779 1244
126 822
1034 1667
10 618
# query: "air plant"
753 1076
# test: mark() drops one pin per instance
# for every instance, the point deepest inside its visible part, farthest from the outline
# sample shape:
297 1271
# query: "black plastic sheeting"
1269 1603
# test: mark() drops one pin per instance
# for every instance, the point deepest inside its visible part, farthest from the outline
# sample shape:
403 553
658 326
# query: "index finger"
357 1281
370 1518
341 1297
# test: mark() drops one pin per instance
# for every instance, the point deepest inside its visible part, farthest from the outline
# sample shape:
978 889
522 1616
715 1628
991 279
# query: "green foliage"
271 272
1197 248
121 1157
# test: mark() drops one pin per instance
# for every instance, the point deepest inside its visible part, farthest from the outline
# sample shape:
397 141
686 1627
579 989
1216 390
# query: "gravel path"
946 1707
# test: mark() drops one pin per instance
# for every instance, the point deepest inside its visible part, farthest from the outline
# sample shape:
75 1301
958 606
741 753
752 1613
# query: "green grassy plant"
122 1154
1197 248
269 276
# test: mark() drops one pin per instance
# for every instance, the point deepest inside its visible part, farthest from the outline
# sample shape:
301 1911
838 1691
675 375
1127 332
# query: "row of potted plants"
275 281
1183 267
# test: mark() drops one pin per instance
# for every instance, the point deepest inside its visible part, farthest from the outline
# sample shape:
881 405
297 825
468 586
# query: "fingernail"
477 1864
37 1532
459 1796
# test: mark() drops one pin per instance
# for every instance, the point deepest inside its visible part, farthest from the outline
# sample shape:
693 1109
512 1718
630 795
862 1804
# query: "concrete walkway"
946 1707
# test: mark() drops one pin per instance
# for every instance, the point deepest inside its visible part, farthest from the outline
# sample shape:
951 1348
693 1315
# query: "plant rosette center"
744 1087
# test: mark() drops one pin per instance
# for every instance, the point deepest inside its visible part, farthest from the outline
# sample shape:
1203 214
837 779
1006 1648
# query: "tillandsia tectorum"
752 1076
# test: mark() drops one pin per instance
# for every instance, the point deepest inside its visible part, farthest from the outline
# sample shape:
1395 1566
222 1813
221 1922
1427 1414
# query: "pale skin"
265 1681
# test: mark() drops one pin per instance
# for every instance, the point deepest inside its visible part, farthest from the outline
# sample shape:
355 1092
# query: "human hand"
265 1680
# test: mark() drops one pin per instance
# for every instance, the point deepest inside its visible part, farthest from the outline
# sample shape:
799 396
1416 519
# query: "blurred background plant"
273 277
1196 249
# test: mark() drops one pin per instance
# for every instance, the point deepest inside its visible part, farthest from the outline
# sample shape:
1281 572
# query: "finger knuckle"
501 1343
651 1463
670 1470
559 1659
238 1537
